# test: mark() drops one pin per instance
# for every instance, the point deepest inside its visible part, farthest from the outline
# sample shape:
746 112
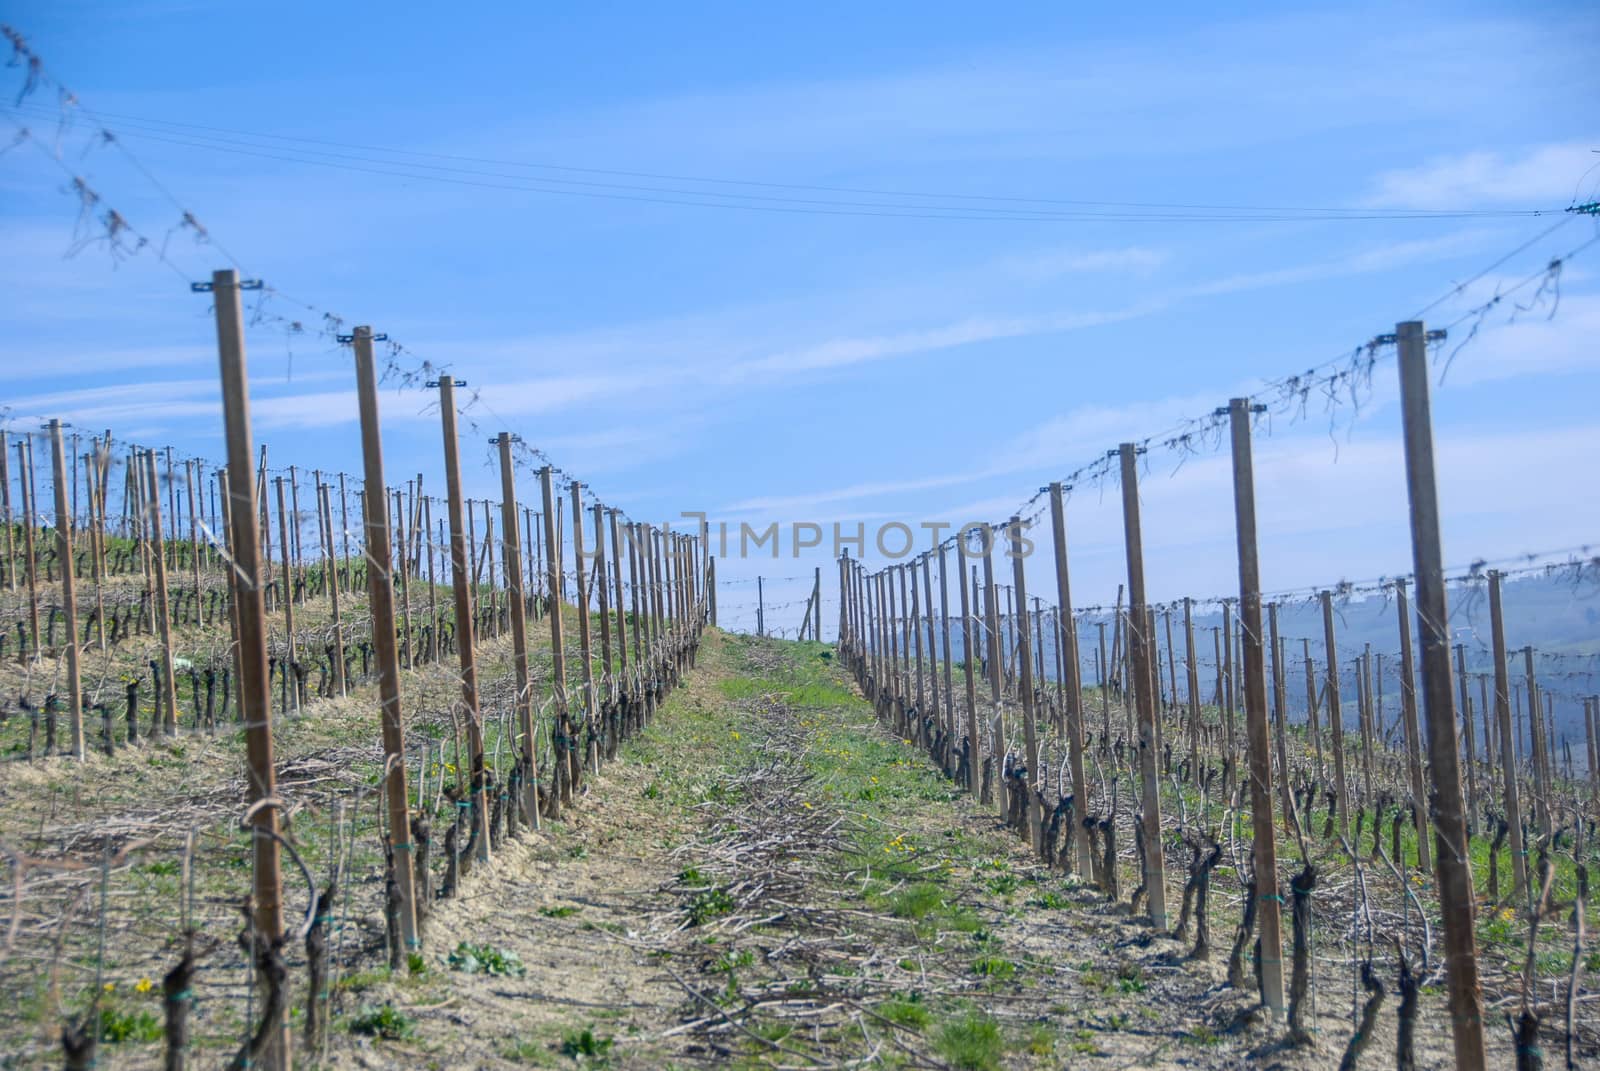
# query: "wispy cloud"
1545 176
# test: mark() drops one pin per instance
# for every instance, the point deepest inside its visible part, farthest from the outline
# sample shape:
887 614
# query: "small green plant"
386 1022
713 903
652 791
733 961
1041 1041
972 1043
1202 1035
140 1024
469 958
1004 884
692 877
1050 901
917 901
1130 978
994 967
585 1044
562 912
415 963
906 1010
578 851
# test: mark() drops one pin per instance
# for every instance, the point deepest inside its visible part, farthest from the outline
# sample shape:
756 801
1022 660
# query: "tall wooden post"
519 629
30 520
1408 711
1454 864
69 602
560 789
1192 667
591 714
5 513
292 688
991 613
461 580
380 601
1335 717
952 731
1537 747
1030 734
974 737
255 706
331 575
1471 741
1264 846
169 686
1067 637
1139 654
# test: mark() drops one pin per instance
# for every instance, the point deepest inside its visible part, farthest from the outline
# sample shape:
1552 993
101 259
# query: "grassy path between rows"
767 879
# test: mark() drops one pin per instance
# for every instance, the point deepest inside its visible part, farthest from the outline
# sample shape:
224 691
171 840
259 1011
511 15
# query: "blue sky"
788 365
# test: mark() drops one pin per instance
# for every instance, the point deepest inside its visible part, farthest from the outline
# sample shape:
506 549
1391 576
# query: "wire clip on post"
347 339
456 382
244 284
1591 208
1438 334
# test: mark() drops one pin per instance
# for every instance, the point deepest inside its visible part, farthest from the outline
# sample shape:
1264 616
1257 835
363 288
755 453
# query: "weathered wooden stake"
462 584
380 595
1155 867
1269 960
1454 865
255 705
69 602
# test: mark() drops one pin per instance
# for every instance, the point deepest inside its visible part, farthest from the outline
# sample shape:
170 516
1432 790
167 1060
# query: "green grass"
971 1043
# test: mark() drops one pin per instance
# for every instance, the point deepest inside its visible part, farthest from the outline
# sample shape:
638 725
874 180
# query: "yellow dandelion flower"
734 734
110 987
143 985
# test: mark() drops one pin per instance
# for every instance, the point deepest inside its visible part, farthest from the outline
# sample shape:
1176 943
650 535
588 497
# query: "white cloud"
1546 176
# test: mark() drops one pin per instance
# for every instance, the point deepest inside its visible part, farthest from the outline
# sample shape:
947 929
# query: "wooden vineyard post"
560 787
69 603
380 594
5 513
517 604
952 731
1263 846
711 588
1280 716
1030 736
974 737
1408 711
1537 746
30 517
255 706
461 580
622 613
400 562
1335 717
189 476
591 714
1471 741
997 718
169 686
286 667
1192 668
1066 636
332 578
1139 655
602 588
1454 865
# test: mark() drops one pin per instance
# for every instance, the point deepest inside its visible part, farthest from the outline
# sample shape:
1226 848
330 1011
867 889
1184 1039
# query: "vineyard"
336 767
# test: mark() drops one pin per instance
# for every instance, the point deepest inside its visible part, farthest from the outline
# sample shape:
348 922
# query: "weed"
971 1043
469 958
713 903
586 1044
562 912
917 901
386 1022
117 1025
907 1010
994 967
